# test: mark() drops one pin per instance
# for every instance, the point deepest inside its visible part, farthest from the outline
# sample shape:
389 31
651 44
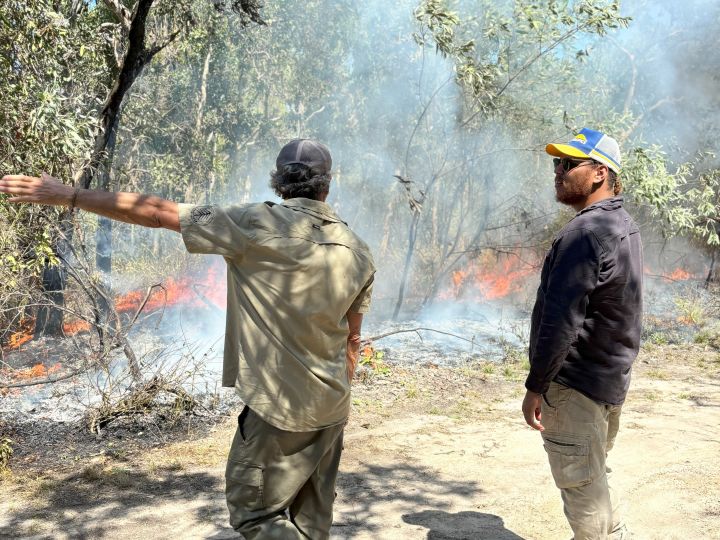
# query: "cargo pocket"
243 487
557 395
569 459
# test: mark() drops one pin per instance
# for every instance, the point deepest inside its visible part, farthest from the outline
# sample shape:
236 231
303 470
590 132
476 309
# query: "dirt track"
430 453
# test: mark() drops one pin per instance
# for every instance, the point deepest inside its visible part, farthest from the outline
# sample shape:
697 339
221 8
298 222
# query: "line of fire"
486 281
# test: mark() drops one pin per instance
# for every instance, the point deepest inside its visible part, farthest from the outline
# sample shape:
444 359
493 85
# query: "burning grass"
22 336
196 291
36 371
94 353
490 278
165 401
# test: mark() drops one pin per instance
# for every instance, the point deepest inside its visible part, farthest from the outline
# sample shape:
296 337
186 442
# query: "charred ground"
430 452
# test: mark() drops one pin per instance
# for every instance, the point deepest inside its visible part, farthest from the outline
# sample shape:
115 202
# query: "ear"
601 174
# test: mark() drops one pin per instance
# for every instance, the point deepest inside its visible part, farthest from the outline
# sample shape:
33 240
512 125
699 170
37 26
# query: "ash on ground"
185 348
452 334
190 367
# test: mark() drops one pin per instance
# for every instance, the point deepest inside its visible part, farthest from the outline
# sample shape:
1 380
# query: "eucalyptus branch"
150 53
419 120
309 117
639 118
539 55
529 62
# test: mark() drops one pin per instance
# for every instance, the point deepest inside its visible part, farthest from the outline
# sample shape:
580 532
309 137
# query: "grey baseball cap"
305 152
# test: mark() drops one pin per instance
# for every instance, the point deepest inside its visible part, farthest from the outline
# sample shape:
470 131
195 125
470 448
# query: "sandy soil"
430 452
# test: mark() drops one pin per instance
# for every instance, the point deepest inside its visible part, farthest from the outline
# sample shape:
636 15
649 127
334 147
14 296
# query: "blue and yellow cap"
589 144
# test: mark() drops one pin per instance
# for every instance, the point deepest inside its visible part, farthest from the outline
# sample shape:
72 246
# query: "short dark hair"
298 180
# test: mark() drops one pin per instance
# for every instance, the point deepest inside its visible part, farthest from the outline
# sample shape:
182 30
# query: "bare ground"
430 452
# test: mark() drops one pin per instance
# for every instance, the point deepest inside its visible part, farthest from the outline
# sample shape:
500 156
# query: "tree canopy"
437 113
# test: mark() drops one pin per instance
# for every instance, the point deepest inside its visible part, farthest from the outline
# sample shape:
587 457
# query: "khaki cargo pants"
281 484
579 432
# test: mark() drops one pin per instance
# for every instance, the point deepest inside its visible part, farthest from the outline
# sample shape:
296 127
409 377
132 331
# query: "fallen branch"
145 301
674 280
47 380
366 341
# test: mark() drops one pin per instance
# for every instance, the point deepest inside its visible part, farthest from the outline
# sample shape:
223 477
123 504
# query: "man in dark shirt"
585 332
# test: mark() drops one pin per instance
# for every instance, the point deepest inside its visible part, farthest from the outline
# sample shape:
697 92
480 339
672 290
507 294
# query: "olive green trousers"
281 484
579 432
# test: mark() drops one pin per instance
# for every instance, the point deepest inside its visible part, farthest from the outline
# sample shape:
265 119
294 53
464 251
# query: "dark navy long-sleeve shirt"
585 328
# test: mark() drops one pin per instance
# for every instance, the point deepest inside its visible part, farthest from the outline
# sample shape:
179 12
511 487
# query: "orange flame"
38 370
491 279
24 335
73 327
18 339
458 277
679 275
186 291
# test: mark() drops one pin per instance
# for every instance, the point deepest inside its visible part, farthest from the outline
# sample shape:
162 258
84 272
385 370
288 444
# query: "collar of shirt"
613 203
315 208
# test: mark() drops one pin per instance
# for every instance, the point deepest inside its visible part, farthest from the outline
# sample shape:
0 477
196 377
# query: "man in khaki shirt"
299 281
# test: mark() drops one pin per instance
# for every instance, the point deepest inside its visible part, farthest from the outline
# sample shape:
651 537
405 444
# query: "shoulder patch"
203 215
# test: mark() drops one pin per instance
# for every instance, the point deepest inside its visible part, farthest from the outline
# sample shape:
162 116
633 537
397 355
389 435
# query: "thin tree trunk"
412 237
211 176
709 278
203 92
103 235
50 319
136 58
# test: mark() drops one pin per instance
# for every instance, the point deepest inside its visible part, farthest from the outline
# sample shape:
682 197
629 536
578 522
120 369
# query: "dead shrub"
140 400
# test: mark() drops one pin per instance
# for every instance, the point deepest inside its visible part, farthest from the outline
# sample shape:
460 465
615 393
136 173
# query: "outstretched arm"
135 208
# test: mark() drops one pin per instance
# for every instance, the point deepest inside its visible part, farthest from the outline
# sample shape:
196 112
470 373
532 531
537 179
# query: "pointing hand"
30 189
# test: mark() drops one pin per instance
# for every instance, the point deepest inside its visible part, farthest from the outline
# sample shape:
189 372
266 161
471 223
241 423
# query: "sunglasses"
569 164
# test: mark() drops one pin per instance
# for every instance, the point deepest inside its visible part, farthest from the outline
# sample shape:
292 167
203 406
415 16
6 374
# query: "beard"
572 192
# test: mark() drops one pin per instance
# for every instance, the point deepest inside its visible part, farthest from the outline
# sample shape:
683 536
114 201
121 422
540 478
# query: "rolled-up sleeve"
361 304
211 229
573 275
